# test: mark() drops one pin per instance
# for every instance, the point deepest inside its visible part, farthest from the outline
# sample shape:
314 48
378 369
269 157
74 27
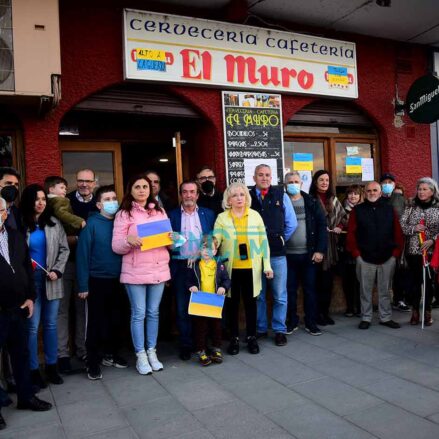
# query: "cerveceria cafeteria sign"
422 100
175 49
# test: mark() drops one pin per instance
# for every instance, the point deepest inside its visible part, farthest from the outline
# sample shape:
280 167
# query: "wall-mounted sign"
422 101
177 49
252 135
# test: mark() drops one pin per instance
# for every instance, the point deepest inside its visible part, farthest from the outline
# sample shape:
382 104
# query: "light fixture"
384 3
163 160
69 131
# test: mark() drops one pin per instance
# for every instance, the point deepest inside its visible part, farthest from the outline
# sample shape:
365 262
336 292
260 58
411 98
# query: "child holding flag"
208 275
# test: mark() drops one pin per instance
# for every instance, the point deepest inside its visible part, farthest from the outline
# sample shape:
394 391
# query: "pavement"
345 384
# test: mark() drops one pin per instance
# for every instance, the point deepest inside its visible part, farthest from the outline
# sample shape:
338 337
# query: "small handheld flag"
155 234
206 305
35 264
421 241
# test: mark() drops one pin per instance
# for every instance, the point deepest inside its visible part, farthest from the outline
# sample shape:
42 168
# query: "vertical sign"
252 135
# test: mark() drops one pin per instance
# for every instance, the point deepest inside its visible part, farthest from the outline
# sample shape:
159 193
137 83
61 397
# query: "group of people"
61 253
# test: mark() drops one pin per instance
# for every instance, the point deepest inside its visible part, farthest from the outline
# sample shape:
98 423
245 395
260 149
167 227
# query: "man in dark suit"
17 297
164 201
192 222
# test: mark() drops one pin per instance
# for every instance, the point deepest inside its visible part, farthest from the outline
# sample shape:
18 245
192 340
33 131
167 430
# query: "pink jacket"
147 267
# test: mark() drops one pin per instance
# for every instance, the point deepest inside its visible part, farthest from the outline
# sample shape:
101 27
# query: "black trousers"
104 318
416 271
13 334
351 286
324 283
242 286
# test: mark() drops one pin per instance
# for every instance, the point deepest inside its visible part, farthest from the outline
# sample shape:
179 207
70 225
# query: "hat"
388 176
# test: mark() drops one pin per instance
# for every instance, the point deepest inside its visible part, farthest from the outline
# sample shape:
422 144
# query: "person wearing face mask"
9 183
305 248
98 270
375 241
210 197
395 199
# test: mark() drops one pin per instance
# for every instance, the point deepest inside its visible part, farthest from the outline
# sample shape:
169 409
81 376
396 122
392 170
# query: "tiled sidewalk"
345 384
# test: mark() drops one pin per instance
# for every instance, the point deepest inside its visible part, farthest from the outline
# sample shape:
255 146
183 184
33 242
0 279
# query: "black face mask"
9 193
207 186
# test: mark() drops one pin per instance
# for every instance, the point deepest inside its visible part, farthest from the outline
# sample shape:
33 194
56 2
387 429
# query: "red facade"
92 59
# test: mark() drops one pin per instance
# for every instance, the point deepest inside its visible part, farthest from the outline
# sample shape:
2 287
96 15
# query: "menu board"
252 135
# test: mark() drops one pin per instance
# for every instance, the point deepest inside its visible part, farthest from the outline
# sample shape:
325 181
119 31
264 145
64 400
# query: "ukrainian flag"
353 165
206 305
154 234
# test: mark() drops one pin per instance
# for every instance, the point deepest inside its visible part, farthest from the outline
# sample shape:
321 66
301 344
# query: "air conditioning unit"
30 55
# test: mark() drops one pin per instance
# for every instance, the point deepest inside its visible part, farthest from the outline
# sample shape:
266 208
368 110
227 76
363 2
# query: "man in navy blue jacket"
192 222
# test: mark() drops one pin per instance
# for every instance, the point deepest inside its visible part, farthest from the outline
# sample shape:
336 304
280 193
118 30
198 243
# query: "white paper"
249 170
352 150
367 173
306 178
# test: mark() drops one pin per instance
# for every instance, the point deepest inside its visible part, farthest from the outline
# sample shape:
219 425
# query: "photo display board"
252 135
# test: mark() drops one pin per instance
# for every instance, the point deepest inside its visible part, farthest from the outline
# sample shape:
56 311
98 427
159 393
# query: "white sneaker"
153 360
142 364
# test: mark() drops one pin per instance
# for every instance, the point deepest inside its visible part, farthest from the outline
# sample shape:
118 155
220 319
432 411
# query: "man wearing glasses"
160 196
83 202
209 196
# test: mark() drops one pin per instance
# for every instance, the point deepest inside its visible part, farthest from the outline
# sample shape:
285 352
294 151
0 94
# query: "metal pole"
423 295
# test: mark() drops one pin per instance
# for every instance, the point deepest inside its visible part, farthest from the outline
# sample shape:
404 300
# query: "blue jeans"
279 291
301 269
145 302
46 311
179 272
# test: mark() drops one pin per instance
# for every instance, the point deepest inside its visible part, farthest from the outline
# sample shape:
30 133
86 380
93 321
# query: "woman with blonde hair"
241 236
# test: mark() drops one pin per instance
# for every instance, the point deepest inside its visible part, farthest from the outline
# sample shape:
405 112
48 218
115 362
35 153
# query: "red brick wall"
91 51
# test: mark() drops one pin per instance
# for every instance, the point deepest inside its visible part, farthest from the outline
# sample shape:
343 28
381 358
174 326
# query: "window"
6 150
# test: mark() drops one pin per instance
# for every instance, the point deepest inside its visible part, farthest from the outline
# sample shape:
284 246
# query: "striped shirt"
4 246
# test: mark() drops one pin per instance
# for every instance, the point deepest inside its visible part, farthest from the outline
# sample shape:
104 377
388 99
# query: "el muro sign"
176 49
422 101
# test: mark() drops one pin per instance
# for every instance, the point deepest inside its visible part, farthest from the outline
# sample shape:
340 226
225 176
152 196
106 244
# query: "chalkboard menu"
252 135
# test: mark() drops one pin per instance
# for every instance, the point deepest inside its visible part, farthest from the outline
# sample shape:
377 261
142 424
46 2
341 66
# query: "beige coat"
224 231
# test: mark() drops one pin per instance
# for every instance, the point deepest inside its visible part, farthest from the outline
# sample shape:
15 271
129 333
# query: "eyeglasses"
85 181
155 181
208 177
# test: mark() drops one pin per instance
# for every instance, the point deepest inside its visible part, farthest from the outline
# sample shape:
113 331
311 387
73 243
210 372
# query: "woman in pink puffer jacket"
144 273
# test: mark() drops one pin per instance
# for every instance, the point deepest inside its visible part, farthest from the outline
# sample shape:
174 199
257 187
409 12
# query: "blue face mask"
293 188
387 188
110 207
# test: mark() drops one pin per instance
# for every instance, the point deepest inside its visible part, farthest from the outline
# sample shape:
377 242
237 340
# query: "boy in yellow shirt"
208 275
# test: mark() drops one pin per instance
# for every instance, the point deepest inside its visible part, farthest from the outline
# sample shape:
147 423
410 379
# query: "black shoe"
94 372
35 404
233 348
252 345
2 423
64 365
280 339
37 380
52 374
114 361
329 321
261 335
313 330
364 325
185 354
391 324
291 329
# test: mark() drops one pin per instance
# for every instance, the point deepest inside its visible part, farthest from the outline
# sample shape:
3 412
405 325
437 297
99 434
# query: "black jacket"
221 279
316 227
213 202
16 280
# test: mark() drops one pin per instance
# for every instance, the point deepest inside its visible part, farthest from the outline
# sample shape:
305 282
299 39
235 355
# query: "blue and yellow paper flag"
338 75
303 161
353 165
154 234
206 305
